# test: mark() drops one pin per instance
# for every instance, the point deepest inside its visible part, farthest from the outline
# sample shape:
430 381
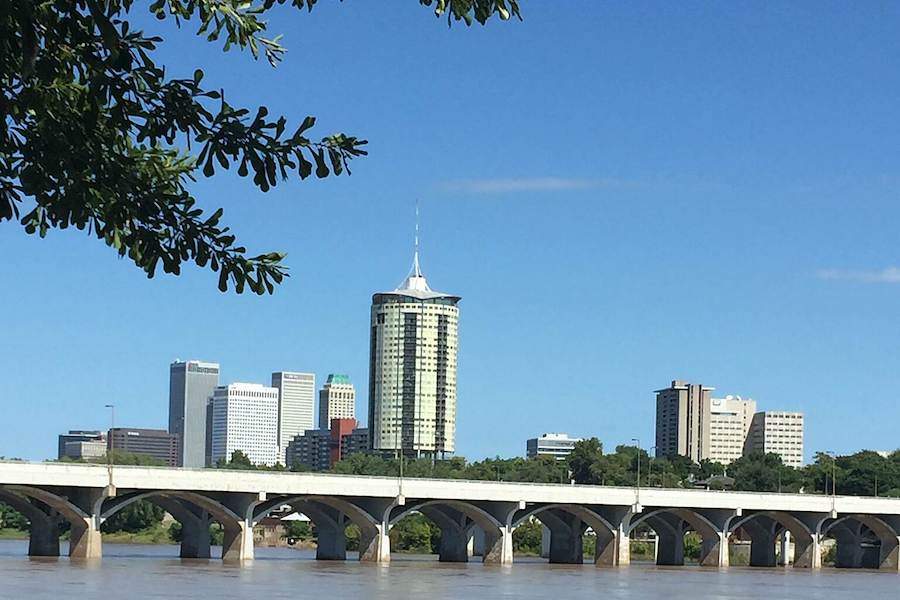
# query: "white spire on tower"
416 279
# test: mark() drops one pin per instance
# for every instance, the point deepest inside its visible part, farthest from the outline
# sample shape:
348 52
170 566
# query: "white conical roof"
415 281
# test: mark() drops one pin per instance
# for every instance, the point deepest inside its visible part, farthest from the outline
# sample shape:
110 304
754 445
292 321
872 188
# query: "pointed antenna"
416 270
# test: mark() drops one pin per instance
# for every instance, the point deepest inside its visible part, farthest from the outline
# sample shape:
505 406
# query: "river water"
147 572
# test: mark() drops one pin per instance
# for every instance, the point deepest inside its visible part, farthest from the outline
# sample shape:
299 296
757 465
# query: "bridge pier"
762 541
237 543
566 536
456 532
669 539
43 537
195 538
498 546
622 543
85 542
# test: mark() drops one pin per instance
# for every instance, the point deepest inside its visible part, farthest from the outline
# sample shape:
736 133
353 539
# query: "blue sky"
622 194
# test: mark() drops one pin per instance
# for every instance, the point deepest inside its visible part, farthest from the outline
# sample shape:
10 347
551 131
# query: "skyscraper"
683 420
412 368
296 405
337 400
245 418
191 384
730 419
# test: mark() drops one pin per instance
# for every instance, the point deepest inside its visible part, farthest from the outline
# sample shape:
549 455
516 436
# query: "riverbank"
13 534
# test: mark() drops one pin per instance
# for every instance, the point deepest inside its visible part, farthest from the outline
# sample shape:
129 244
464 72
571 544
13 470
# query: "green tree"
96 135
758 472
527 538
366 464
137 516
12 519
298 530
415 534
582 459
239 460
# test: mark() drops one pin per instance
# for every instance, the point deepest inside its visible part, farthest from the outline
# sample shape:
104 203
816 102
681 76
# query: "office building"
85 449
412 369
337 400
321 449
155 443
311 449
296 405
730 419
78 435
683 420
191 385
245 418
557 445
780 433
355 443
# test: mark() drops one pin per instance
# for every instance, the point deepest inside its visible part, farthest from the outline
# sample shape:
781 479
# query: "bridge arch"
852 532
671 524
458 520
331 515
195 512
567 524
84 539
765 528
43 523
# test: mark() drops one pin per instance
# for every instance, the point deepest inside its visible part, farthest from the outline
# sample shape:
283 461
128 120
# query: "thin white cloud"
886 275
528 184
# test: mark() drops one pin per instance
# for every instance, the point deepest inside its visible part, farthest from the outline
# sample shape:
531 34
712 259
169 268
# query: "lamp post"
650 454
109 442
637 487
833 479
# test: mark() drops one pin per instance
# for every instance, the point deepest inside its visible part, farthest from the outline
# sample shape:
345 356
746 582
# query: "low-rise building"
557 445
85 449
321 449
155 443
78 435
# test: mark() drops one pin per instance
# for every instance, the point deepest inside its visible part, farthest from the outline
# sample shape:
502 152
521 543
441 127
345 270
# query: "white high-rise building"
780 433
729 424
296 405
337 400
412 369
245 418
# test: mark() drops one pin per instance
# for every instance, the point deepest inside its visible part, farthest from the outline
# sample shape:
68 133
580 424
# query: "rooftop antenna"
417 272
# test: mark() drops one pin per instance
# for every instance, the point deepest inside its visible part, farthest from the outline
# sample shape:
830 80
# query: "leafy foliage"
415 534
96 136
527 538
135 517
240 461
12 519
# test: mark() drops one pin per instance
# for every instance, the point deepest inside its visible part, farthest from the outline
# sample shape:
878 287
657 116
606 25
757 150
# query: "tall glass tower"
412 369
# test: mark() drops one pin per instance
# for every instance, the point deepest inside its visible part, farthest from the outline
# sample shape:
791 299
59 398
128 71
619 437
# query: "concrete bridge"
865 530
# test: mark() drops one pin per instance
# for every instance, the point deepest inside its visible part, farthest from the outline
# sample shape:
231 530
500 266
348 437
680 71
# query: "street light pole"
833 479
637 488
109 442
650 454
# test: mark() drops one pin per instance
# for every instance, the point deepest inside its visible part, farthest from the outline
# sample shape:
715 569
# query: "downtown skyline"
723 222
